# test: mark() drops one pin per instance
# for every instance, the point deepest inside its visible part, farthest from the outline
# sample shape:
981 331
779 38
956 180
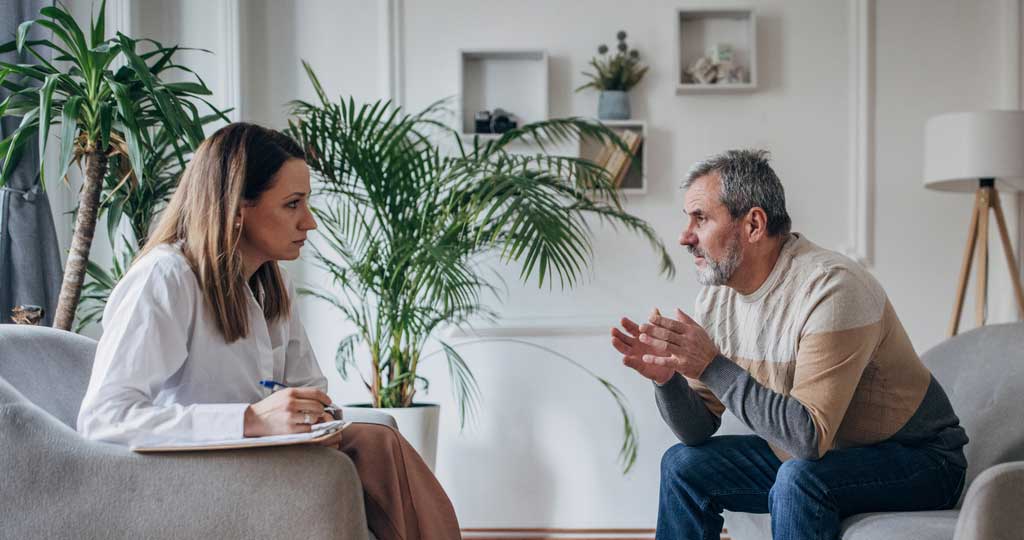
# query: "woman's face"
274 226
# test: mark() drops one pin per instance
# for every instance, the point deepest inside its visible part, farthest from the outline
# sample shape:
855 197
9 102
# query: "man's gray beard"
719 272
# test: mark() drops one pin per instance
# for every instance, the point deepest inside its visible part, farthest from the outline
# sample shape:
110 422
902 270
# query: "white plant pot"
418 424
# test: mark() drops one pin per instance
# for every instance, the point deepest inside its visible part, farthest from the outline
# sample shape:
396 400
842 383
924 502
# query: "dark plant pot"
613 105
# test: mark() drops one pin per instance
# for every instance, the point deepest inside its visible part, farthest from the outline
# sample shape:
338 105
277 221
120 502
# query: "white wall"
542 452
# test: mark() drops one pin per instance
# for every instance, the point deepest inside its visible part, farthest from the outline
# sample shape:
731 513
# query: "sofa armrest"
60 485
991 509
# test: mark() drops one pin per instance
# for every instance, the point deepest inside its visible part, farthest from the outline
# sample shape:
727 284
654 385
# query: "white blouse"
162 367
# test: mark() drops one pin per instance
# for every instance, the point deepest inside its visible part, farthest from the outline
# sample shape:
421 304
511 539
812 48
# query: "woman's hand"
286 411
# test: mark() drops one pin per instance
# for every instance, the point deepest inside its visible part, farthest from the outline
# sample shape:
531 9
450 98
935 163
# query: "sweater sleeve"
838 339
689 408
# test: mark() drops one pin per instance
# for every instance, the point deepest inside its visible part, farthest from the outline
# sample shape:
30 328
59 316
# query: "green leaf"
189 87
345 356
68 133
106 119
23 29
76 38
45 113
114 214
126 110
98 30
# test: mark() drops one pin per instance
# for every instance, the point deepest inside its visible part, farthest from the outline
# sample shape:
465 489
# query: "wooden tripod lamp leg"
1011 262
981 302
965 267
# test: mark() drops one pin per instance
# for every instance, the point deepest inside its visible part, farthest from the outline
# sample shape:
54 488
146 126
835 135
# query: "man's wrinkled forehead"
702 196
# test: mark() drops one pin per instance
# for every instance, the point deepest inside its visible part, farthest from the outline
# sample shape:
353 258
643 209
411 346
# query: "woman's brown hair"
235 164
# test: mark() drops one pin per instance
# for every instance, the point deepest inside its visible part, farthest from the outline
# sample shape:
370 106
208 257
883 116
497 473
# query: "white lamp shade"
960 148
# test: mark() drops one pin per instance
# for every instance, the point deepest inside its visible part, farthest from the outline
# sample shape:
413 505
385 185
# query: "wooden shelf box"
699 29
515 80
635 179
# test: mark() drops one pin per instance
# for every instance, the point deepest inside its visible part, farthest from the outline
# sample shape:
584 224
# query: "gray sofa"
983 373
56 484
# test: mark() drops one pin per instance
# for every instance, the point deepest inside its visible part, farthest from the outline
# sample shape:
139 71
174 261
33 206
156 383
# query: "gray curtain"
30 268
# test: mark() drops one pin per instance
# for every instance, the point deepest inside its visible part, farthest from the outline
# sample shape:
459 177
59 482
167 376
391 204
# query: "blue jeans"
807 499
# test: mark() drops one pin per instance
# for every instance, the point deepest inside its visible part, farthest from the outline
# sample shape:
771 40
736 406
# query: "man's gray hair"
747 181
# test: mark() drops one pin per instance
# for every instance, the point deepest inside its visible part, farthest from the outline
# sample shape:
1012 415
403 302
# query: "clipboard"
319 433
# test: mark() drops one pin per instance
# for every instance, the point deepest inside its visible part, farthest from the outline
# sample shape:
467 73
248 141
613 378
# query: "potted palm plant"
405 224
101 111
614 75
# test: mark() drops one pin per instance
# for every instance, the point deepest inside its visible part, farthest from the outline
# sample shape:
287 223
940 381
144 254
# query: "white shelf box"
635 179
698 29
515 80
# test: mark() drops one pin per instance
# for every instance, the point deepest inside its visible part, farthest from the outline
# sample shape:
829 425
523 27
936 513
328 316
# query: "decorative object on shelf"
975 151
27 314
482 121
512 79
502 121
630 177
407 230
614 76
617 160
497 122
717 49
716 67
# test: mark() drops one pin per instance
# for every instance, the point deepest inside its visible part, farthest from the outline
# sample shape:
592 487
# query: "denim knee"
683 464
796 476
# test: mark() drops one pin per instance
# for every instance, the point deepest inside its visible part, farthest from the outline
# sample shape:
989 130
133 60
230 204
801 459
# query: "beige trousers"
404 501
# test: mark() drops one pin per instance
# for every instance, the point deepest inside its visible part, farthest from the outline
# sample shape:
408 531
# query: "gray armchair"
56 484
983 373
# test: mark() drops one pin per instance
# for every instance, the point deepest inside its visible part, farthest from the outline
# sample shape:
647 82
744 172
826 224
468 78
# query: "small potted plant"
615 75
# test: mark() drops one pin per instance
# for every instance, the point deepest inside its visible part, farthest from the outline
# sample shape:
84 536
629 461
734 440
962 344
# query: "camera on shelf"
499 121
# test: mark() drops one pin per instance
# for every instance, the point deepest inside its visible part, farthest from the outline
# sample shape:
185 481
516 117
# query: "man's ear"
756 225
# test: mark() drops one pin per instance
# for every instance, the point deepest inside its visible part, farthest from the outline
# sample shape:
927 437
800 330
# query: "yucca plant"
101 111
125 199
405 228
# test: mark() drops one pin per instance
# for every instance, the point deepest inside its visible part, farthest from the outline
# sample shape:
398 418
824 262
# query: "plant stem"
85 226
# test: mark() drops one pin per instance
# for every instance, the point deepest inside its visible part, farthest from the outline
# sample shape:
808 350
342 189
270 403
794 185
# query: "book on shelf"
614 159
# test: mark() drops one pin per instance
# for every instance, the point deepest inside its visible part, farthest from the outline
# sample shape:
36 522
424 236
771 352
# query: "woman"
205 313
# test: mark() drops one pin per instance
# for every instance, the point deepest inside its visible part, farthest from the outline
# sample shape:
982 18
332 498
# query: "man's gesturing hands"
665 345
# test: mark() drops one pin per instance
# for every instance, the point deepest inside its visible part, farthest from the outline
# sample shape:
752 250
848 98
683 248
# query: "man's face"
712 236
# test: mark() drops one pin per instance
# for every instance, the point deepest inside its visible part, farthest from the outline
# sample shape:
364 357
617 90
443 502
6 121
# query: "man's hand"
633 351
679 344
286 411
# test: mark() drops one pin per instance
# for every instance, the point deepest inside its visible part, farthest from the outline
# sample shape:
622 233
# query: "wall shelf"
635 180
515 80
698 29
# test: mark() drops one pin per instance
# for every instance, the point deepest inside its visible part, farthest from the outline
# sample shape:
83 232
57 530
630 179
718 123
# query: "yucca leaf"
98 25
68 133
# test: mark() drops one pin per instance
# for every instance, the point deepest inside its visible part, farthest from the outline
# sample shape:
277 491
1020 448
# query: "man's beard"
718 272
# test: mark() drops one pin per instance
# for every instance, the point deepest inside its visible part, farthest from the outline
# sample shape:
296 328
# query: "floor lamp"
978 151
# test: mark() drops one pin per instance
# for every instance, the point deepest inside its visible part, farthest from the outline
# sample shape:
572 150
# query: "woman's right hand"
285 412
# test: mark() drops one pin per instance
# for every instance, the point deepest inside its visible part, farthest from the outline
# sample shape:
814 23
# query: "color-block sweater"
815 359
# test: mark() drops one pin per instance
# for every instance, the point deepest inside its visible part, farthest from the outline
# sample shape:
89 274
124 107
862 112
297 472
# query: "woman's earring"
238 225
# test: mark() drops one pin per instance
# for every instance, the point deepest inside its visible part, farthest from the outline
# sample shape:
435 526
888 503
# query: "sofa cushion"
938 525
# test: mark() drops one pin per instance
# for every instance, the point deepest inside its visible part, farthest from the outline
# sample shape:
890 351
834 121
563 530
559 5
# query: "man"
803 346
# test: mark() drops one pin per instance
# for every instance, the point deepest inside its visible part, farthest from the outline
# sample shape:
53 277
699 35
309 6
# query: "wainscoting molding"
861 95
231 63
562 534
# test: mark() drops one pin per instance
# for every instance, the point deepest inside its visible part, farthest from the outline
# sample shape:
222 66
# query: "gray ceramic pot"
613 105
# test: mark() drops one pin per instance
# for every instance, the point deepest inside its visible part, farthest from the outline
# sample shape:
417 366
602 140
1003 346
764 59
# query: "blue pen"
272 385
